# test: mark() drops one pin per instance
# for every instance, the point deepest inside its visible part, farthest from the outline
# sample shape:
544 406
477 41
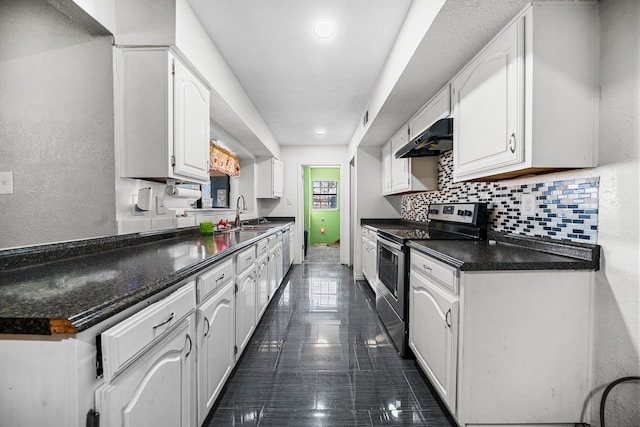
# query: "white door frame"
345 241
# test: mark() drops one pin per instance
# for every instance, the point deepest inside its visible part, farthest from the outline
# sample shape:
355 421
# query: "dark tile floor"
320 358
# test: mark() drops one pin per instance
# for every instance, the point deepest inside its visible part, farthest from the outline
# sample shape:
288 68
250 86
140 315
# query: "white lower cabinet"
158 388
436 344
245 307
292 244
369 257
279 260
263 290
501 347
272 270
215 342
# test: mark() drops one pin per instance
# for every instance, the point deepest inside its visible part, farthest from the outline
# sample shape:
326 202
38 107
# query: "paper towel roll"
182 193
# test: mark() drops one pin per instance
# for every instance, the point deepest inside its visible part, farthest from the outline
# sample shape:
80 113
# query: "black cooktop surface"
426 233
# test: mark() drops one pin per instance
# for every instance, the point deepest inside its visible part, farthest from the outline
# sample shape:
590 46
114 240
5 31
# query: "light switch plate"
6 182
161 209
528 204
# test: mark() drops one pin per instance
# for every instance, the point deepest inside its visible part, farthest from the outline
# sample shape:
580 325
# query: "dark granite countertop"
67 287
506 252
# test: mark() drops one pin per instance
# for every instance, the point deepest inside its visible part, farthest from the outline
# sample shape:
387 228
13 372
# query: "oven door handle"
389 243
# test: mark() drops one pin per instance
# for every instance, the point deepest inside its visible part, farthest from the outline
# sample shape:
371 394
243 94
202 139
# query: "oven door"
391 302
391 268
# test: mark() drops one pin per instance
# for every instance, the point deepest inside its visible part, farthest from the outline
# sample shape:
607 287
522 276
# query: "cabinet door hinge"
235 289
173 68
235 349
173 160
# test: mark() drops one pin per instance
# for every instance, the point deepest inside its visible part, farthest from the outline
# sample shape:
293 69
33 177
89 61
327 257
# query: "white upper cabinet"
269 178
487 114
408 175
386 168
528 101
162 117
400 168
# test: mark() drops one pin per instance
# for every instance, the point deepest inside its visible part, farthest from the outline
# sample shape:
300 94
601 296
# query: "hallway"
319 358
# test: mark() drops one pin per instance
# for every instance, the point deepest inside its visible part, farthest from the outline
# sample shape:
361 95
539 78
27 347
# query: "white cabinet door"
400 168
272 271
433 335
365 257
489 107
263 289
406 175
386 168
158 389
216 339
278 178
191 124
245 308
292 244
161 117
279 264
269 178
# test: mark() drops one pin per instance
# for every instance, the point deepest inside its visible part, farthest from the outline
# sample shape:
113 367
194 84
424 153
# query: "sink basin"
247 227
256 227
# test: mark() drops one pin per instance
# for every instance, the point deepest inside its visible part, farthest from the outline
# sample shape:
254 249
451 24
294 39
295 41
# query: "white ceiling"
299 83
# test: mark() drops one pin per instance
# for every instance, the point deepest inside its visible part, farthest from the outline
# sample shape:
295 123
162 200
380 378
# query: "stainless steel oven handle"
389 243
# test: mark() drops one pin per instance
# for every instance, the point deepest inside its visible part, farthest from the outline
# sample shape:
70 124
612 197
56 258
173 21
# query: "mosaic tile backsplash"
564 210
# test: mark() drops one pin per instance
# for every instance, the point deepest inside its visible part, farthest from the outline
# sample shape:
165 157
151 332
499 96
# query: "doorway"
322 215
322 206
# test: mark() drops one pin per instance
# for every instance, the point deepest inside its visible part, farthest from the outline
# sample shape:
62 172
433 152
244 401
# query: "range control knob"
460 212
468 213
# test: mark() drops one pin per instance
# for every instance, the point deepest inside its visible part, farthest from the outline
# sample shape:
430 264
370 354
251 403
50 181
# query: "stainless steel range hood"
434 141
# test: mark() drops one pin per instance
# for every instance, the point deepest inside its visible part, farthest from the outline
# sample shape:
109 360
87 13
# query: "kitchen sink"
256 227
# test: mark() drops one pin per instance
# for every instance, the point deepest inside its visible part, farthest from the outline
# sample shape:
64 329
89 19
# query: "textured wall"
617 299
56 127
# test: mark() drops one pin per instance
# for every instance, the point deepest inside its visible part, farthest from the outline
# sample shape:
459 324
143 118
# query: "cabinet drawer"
444 274
125 342
214 278
261 247
245 259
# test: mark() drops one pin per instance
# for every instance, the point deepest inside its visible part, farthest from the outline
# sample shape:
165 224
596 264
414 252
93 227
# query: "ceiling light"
323 29
321 132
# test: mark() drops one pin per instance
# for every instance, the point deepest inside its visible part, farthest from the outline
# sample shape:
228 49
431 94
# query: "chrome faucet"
244 208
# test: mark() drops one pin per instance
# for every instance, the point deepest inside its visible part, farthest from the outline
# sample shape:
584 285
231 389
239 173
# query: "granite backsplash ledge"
564 209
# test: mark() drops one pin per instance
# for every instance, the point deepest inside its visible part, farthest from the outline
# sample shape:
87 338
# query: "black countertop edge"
390 222
582 251
102 312
86 319
484 265
276 219
29 255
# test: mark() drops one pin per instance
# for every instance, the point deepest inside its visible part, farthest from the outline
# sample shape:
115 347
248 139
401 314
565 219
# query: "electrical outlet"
161 209
6 182
528 204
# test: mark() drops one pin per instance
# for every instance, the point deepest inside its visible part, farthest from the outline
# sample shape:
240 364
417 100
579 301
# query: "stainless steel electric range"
450 221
